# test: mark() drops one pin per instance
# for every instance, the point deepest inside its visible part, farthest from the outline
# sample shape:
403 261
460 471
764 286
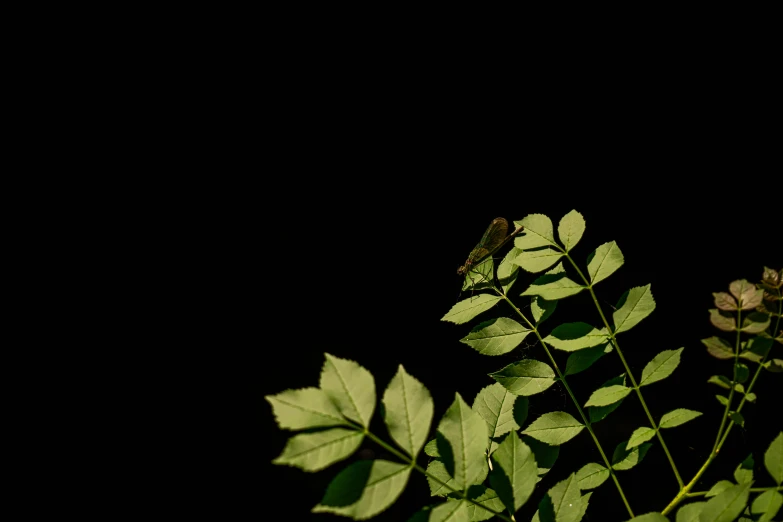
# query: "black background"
371 271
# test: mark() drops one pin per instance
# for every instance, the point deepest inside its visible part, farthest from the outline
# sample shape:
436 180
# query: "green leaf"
436 469
555 428
773 459
661 366
598 413
364 489
634 305
480 277
317 450
607 395
538 232
721 399
737 418
495 404
467 309
507 270
431 448
350 387
774 365
722 320
718 348
747 294
467 434
585 504
744 472
623 459
570 229
408 409
486 497
650 517
537 260
604 261
303 409
757 349
767 505
718 488
553 287
563 502
545 455
575 336
581 360
755 322
690 512
750 397
526 377
541 308
726 506
640 435
496 336
720 380
591 476
451 511
515 472
677 417
725 301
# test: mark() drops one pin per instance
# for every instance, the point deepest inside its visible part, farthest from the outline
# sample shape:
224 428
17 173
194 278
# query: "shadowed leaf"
541 308
624 459
773 459
650 517
467 434
718 348
766 506
744 472
598 413
526 377
451 511
722 320
545 454
755 322
581 360
515 472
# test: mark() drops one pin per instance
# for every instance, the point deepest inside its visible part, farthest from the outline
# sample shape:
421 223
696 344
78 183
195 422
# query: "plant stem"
418 468
589 286
573 398
733 382
684 492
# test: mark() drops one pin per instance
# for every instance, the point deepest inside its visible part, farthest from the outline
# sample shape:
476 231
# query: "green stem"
616 345
733 383
418 468
573 398
752 490
684 492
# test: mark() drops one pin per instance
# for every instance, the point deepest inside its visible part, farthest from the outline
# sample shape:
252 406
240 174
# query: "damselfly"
492 241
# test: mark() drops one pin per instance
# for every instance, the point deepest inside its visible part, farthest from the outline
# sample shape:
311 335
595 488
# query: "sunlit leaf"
719 487
431 448
623 459
718 348
562 503
467 309
634 305
677 417
451 511
570 229
722 320
720 380
773 459
598 413
575 336
747 294
766 506
495 404
364 489
725 301
750 397
303 409
486 497
319 449
585 505
538 232
744 472
508 271
350 387
604 261
607 395
591 476
467 434
690 512
722 399
496 336
514 474
774 365
480 277
537 260
650 517
581 360
727 505
526 377
661 366
554 428
408 409
553 287
640 435
541 308
755 322
441 483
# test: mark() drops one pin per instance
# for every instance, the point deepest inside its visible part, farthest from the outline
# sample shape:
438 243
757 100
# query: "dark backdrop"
362 264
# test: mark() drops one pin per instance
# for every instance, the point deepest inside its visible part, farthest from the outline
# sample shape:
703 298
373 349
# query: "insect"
492 240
